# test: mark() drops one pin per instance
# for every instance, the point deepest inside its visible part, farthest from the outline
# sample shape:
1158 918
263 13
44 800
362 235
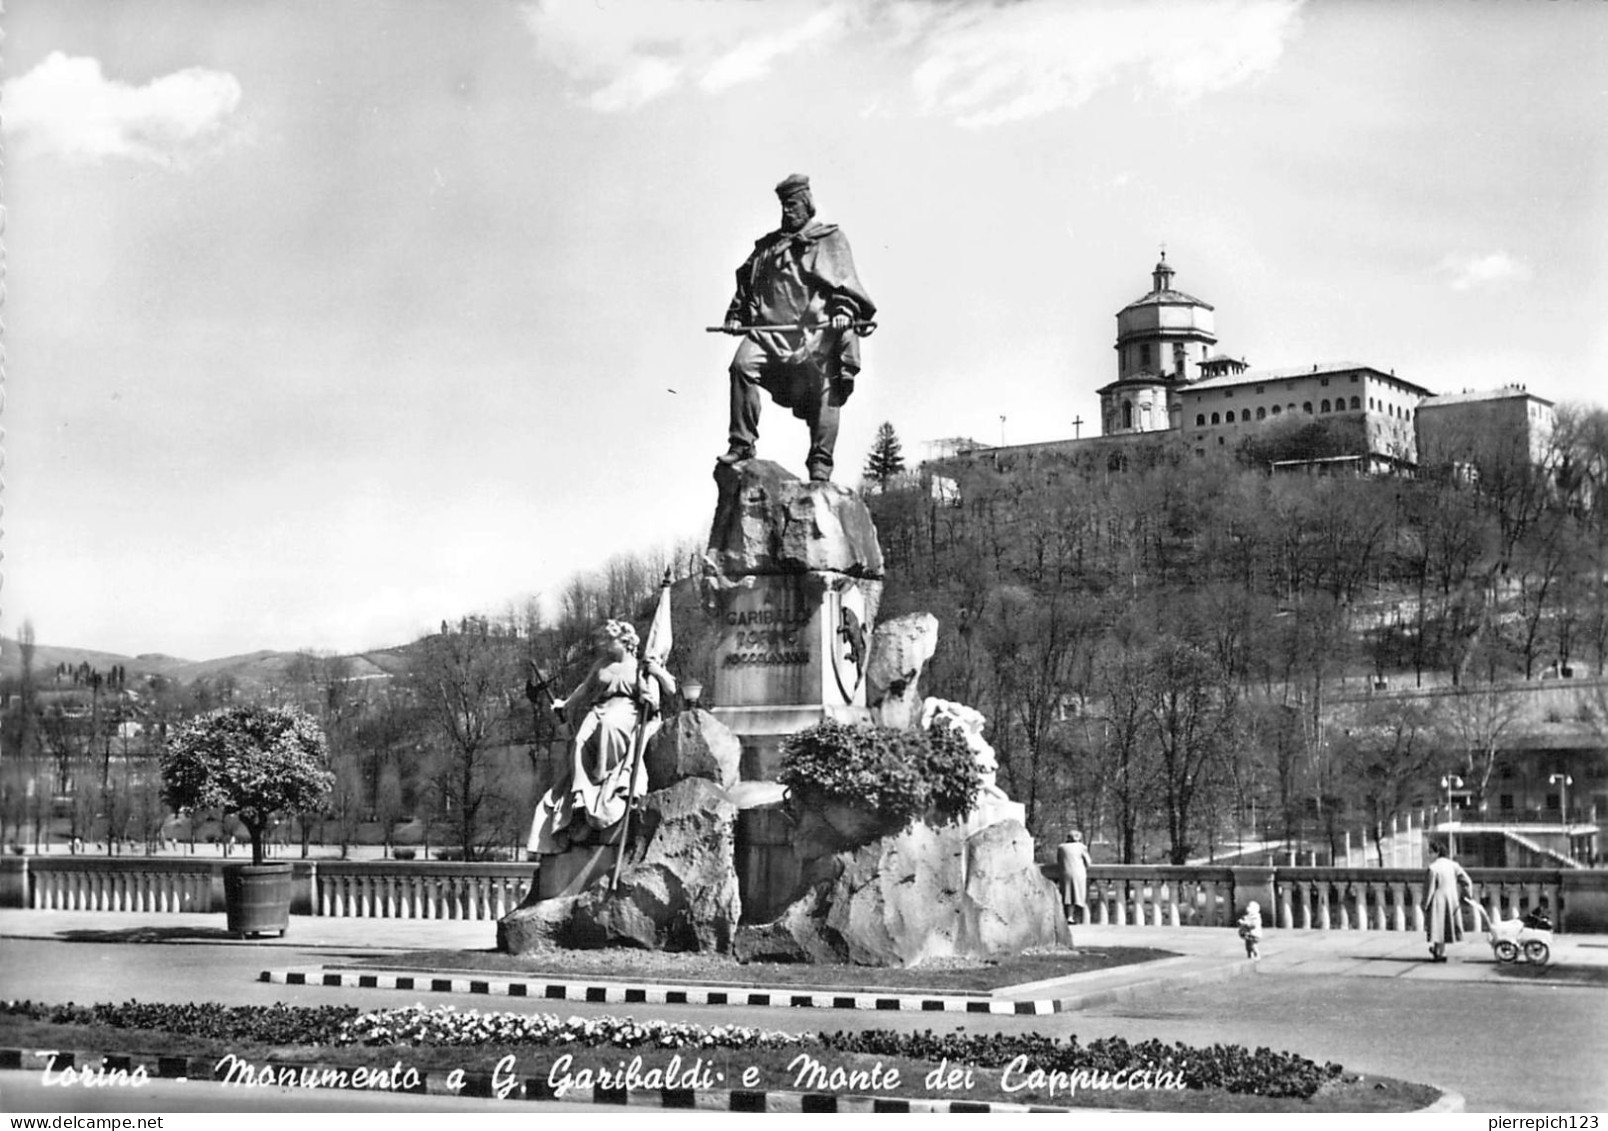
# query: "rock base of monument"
930 891
677 891
566 873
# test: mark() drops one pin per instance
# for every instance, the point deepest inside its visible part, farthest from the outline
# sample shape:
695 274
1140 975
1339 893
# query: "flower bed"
1229 1068
447 1025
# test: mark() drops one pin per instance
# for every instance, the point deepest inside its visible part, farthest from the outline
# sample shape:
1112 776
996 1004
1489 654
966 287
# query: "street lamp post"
1448 783
1566 781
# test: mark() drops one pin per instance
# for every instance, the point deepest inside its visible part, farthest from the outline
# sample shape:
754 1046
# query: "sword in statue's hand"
863 327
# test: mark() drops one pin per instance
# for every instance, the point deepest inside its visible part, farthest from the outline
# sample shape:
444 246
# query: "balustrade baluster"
1416 892
1527 896
1398 893
1171 893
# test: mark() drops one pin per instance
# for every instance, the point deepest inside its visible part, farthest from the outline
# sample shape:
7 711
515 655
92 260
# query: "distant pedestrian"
1444 891
1250 929
1073 858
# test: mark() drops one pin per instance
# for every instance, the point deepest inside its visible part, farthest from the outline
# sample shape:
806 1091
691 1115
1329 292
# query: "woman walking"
1444 892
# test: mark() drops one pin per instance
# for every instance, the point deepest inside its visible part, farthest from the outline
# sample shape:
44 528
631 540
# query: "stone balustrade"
1332 899
1146 896
388 889
424 890
1302 899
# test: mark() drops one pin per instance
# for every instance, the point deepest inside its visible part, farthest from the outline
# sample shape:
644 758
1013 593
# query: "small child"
1250 929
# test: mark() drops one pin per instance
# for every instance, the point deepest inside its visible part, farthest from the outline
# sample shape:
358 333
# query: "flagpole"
660 626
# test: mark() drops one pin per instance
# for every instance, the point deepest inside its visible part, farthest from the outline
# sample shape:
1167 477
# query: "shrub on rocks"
899 774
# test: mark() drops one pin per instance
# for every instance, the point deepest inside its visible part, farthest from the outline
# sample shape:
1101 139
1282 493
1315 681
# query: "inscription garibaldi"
800 286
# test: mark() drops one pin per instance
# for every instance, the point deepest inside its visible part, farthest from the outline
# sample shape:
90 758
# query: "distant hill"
253 669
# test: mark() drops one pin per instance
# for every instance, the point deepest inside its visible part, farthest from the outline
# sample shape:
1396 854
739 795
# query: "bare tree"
465 678
1481 716
1191 708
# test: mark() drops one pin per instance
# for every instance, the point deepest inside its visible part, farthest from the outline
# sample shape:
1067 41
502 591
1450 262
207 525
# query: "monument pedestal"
761 730
793 577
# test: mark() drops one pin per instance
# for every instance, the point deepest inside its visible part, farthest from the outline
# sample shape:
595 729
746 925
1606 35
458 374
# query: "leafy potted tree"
252 762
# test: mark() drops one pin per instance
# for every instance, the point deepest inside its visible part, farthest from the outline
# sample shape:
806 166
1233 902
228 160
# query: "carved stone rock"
931 891
679 892
767 521
900 649
693 745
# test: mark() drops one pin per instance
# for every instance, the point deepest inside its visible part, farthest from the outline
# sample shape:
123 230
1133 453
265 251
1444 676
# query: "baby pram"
1529 935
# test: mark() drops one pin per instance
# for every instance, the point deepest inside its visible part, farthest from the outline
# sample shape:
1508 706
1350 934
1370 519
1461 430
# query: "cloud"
1496 269
751 59
626 53
987 64
66 106
981 62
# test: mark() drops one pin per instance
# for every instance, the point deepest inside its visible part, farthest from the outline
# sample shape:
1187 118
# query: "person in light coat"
1444 891
1073 858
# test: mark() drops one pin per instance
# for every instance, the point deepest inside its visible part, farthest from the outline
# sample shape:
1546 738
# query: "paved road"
1361 1000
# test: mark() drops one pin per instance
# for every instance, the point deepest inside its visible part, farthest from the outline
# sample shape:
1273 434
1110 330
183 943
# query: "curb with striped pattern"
616 994
604 993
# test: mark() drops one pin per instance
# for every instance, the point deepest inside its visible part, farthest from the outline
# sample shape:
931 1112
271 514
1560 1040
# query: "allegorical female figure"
615 708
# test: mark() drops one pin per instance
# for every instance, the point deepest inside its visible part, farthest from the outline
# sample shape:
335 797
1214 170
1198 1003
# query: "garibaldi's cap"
793 185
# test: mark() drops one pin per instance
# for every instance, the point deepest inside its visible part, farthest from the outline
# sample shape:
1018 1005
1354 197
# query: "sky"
328 320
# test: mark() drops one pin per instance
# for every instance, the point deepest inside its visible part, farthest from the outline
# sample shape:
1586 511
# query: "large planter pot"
256 898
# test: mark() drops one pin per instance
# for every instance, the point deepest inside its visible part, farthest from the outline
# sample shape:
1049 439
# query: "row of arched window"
1338 405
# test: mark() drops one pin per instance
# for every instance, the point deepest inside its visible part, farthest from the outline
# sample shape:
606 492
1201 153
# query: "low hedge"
276 1024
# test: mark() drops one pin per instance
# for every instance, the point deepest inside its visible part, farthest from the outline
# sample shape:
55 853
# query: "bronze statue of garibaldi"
801 311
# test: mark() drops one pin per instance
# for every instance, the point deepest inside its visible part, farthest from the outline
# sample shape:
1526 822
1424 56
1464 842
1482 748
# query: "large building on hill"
1170 377
1454 427
1174 383
1367 413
